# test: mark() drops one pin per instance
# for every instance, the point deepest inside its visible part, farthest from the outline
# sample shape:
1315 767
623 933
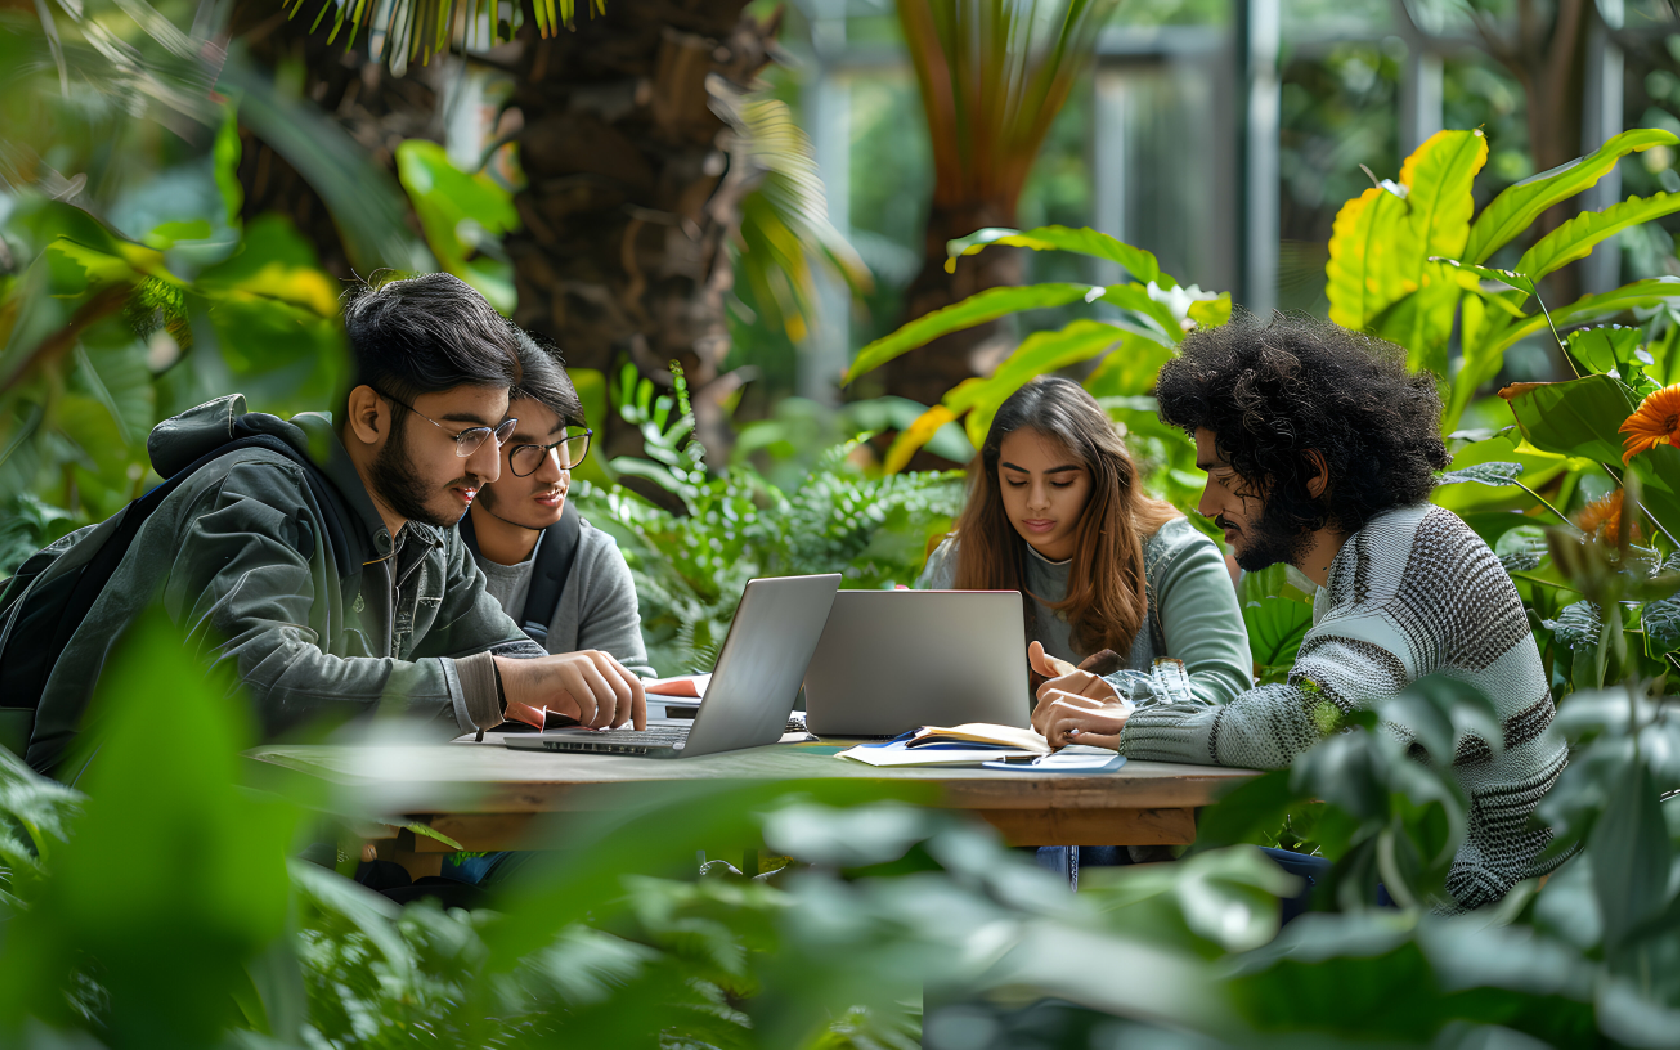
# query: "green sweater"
1193 611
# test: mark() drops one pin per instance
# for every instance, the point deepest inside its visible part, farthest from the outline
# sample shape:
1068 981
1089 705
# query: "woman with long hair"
1056 512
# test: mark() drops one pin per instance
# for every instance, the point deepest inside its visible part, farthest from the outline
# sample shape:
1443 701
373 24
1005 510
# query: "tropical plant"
691 566
1408 259
993 76
1154 312
103 334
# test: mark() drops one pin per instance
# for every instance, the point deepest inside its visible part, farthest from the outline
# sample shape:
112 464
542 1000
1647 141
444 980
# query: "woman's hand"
1066 678
1066 718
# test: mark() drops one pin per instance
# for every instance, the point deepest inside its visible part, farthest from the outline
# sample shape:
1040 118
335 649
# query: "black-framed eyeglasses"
467 441
568 452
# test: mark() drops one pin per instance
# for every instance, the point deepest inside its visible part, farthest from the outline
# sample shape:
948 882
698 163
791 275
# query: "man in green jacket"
328 613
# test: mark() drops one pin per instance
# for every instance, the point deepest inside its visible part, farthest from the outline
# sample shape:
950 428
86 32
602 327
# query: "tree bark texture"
632 193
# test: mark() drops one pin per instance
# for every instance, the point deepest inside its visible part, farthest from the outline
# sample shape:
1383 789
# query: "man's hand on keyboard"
589 685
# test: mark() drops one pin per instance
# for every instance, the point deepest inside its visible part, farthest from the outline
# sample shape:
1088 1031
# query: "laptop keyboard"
635 741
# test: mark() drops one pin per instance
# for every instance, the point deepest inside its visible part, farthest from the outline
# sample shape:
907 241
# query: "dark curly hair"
1273 391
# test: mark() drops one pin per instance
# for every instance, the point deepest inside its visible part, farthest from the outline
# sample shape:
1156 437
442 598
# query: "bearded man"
324 568
1320 449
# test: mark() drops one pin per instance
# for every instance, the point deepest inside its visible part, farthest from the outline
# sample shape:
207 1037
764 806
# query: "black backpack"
44 619
548 576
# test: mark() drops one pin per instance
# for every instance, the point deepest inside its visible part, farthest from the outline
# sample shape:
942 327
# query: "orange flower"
1602 519
1657 420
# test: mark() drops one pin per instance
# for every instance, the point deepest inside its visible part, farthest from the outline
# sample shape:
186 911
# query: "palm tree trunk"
632 196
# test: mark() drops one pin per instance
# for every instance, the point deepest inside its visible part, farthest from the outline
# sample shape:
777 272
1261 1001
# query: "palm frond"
785 219
993 75
415 30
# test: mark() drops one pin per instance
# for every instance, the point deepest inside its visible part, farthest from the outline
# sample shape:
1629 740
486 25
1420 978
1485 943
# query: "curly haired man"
1320 450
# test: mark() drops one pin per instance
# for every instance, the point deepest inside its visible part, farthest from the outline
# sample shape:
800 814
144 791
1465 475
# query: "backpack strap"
548 577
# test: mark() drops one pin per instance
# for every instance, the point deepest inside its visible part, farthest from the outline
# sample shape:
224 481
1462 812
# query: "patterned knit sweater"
1415 592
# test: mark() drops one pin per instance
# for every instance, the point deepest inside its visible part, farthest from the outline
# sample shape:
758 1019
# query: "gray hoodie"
241 557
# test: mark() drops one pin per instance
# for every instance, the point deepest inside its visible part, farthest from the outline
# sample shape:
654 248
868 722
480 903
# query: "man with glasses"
561 579
323 567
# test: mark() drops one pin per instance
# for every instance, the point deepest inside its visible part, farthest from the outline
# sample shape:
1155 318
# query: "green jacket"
241 557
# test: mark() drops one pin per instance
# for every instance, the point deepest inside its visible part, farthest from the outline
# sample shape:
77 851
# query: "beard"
1265 542
399 485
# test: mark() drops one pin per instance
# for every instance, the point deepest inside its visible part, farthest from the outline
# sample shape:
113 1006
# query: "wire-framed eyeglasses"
467 441
568 452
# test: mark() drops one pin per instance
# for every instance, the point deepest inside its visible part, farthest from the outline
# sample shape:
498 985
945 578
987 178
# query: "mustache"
466 481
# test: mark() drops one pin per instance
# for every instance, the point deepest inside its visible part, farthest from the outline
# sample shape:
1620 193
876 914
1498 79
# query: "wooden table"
485 796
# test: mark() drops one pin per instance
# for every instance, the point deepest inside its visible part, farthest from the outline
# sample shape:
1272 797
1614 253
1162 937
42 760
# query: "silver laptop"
890 661
753 687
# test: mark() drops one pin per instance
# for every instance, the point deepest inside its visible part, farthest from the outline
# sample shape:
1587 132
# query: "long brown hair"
1106 601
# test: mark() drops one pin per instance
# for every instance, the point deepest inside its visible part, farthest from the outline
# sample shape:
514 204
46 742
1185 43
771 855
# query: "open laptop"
891 661
753 687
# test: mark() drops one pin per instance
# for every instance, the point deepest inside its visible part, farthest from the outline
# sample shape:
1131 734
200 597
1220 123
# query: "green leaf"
1492 473
427 832
1576 418
1660 619
1141 265
1130 368
462 214
987 305
1439 177
1518 208
1422 321
1521 548
1606 348
1576 238
1630 854
1363 275
1039 354
1489 336
203 862
1276 626
1577 625
226 157
1163 310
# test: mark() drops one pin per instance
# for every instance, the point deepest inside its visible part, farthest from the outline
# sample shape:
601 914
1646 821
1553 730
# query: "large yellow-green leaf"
1518 208
1362 276
1577 418
1576 238
988 305
1438 177
1141 265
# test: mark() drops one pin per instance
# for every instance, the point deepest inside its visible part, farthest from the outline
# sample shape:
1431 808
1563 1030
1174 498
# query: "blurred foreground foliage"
160 903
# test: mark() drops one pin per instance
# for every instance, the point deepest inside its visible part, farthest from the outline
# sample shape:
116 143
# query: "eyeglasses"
569 451
467 441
